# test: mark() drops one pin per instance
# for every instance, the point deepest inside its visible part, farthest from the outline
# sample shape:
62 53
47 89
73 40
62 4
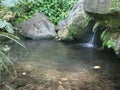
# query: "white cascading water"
90 44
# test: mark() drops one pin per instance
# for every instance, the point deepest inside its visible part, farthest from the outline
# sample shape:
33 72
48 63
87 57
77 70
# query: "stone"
64 35
24 73
60 88
73 26
66 85
101 6
60 82
96 67
38 27
60 25
64 79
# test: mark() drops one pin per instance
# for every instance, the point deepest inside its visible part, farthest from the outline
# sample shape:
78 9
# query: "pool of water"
68 59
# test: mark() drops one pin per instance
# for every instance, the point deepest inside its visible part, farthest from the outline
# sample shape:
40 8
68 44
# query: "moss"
114 6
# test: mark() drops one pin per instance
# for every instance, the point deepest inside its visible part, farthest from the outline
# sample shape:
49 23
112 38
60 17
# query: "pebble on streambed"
96 67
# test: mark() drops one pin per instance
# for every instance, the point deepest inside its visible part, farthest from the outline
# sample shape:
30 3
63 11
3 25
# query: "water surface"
66 60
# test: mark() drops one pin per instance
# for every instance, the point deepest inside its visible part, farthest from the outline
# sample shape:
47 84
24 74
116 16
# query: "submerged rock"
38 27
73 26
60 88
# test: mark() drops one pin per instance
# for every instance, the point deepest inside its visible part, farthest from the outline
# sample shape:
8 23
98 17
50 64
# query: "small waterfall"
90 44
92 39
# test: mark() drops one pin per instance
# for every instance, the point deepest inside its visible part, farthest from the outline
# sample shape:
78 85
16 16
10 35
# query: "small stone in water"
96 67
64 79
60 82
6 48
24 73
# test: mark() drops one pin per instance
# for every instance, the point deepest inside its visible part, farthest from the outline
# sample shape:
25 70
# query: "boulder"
38 27
101 6
73 26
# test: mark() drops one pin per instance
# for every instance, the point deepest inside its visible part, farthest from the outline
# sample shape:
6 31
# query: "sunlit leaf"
95 26
2 24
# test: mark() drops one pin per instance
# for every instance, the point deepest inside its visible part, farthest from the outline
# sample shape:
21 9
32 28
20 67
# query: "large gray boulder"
101 6
74 25
38 27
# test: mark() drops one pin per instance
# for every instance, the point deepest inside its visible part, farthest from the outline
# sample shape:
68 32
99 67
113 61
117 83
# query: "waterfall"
90 44
92 38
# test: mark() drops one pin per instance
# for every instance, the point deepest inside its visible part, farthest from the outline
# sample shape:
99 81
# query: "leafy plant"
3 57
55 9
6 26
107 39
95 26
6 32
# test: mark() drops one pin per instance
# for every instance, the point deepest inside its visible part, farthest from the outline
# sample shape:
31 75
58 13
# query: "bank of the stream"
51 65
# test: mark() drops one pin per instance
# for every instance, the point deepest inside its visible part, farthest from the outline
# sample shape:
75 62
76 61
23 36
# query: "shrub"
55 9
6 32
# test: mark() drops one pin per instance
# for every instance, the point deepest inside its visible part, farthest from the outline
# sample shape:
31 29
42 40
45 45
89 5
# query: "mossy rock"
102 6
75 23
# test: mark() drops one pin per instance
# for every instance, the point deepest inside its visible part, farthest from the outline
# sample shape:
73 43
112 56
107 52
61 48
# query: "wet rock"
19 83
60 88
61 24
60 82
74 24
38 27
64 79
64 35
66 85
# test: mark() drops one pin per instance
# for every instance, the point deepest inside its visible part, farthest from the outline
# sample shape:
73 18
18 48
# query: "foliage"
110 23
107 39
4 25
6 31
55 9
95 26
115 6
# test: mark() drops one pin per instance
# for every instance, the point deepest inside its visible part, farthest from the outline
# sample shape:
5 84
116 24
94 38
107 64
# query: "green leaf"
2 24
1 61
110 43
12 37
103 33
95 26
4 57
9 28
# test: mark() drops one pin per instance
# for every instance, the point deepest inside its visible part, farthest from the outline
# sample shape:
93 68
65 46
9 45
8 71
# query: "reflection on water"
52 55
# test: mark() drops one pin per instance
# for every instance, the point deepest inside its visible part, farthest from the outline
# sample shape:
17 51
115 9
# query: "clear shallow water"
69 58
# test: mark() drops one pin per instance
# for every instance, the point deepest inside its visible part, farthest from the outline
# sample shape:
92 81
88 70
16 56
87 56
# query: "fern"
107 39
4 25
95 26
8 27
12 37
